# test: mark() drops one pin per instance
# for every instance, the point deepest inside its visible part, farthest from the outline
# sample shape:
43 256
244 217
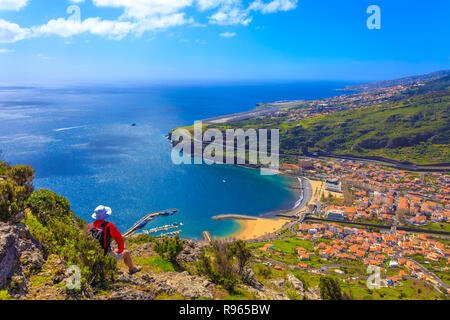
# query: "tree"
330 289
242 253
46 205
225 264
169 248
15 188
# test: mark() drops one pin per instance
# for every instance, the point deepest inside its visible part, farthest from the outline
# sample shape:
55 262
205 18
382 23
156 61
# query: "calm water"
82 145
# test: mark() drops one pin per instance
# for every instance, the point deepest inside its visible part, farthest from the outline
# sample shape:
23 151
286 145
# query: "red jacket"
115 234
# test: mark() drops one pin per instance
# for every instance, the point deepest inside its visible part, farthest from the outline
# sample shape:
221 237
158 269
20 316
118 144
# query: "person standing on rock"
104 231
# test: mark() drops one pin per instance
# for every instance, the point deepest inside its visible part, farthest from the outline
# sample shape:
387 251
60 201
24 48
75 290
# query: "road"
429 273
241 116
382 226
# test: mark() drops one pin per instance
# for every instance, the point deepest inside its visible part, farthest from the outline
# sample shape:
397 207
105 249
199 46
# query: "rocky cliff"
26 273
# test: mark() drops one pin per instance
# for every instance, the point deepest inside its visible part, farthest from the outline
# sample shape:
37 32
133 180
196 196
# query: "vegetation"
15 188
4 295
225 264
243 255
53 223
413 129
155 264
330 289
141 238
169 248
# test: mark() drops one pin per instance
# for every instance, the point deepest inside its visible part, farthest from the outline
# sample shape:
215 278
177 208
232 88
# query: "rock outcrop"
184 284
191 251
296 284
148 286
19 254
130 294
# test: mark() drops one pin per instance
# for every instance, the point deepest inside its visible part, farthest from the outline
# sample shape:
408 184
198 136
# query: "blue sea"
81 141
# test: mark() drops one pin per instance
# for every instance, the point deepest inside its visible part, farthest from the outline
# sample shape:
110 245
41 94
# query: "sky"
49 41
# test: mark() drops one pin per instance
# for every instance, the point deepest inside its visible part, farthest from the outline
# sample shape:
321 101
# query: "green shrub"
141 238
4 295
54 224
169 248
262 271
330 289
225 266
15 188
45 205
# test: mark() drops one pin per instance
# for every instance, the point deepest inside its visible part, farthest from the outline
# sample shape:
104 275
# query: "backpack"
102 235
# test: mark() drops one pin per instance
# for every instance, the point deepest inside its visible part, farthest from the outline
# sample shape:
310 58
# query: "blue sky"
151 40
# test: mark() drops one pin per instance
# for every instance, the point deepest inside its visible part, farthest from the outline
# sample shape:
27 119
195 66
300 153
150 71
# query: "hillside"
414 129
41 238
391 83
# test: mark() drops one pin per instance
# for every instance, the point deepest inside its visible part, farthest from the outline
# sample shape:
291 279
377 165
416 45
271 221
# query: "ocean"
82 142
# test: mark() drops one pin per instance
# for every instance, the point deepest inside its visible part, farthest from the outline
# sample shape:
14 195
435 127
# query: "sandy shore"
252 229
317 188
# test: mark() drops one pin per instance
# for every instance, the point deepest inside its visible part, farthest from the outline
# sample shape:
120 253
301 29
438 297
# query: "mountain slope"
413 128
416 129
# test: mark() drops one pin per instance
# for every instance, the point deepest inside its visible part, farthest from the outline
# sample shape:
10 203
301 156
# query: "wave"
69 128
299 202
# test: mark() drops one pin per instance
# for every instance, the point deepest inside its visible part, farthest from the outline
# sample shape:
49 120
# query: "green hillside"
414 129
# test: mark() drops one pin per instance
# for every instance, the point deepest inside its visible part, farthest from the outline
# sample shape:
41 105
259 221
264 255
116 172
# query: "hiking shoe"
136 269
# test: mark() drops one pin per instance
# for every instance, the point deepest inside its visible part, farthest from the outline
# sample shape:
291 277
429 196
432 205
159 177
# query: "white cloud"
231 16
114 29
228 34
273 6
139 9
6 50
232 12
140 16
67 28
161 22
12 4
212 4
11 32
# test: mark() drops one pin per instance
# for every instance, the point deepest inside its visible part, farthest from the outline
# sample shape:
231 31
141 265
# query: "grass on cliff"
406 290
155 263
4 295
53 223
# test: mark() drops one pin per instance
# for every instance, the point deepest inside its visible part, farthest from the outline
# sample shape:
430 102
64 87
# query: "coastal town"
359 212
354 221
295 111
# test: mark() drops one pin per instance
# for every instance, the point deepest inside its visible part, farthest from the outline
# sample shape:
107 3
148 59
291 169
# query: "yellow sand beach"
252 229
317 187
